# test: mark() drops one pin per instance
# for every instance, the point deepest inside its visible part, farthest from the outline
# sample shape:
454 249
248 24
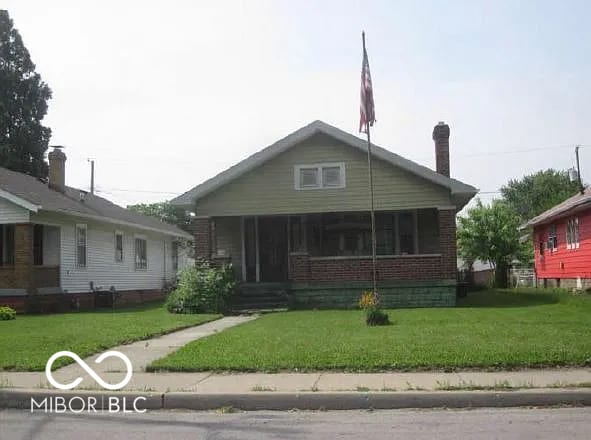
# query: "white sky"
164 95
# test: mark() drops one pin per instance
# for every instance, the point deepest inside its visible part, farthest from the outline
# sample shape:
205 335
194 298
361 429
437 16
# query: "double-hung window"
141 253
81 245
118 246
552 238
572 233
175 255
319 176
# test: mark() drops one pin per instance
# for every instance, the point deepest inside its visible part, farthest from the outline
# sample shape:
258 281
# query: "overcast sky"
166 94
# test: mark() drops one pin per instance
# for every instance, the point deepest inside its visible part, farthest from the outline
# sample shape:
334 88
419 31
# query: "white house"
59 245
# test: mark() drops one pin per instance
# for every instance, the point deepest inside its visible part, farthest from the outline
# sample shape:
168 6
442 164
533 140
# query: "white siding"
102 269
11 213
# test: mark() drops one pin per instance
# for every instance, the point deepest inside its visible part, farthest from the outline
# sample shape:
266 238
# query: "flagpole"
371 198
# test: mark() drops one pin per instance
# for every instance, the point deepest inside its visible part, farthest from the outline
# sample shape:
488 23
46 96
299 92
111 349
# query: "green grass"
489 329
27 342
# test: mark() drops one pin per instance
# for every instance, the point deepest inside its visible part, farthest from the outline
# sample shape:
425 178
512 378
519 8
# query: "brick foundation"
67 302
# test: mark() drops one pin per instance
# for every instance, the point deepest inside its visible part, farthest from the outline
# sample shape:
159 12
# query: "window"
406 232
81 242
38 245
552 238
309 178
6 245
572 233
141 253
175 255
318 176
118 247
298 233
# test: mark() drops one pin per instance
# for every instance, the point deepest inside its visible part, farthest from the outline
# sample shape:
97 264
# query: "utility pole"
581 188
91 175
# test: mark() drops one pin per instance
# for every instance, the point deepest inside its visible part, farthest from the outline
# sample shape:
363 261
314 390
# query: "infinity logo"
90 371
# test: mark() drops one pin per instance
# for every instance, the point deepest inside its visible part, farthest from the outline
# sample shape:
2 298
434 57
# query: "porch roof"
461 192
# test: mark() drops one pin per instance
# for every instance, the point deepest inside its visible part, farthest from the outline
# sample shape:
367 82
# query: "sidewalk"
210 383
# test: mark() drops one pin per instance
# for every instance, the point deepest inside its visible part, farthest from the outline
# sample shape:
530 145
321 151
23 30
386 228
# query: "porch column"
203 238
23 256
447 243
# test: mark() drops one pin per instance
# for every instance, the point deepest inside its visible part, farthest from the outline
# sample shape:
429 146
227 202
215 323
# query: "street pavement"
479 424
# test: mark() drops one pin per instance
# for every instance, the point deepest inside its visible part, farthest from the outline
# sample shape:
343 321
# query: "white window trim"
139 237
85 227
122 246
570 242
319 167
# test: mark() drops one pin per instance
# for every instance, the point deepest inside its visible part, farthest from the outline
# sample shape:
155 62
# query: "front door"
273 248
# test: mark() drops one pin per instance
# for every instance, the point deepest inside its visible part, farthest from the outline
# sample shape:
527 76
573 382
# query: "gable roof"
35 195
461 193
575 203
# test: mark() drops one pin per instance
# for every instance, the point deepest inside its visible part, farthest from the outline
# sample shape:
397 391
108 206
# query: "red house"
562 243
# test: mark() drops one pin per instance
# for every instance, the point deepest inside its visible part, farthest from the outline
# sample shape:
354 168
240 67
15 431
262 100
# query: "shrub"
202 289
376 317
7 313
370 302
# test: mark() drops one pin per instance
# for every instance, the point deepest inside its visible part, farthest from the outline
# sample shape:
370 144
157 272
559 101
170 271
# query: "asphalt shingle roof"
38 193
576 202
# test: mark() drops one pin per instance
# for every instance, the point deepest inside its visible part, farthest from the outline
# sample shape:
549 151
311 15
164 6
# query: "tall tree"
535 193
491 233
164 211
23 105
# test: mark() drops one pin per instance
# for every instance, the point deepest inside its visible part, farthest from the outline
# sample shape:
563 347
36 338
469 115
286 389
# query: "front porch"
29 261
321 255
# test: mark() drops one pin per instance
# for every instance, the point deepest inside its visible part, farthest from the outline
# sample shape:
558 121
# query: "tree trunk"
501 280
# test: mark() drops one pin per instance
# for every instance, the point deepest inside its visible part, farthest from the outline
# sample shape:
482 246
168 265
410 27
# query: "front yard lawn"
27 342
489 329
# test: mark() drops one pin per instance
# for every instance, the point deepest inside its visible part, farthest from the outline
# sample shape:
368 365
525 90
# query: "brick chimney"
441 138
57 169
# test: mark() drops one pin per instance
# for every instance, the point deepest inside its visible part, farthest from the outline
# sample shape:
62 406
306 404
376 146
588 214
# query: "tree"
23 105
536 193
491 233
165 212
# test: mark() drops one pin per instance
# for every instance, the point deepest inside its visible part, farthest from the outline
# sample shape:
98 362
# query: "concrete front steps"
260 297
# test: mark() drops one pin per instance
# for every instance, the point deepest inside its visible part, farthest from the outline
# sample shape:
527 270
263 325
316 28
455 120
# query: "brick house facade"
296 213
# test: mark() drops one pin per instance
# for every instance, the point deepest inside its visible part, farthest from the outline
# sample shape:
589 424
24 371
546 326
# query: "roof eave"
19 201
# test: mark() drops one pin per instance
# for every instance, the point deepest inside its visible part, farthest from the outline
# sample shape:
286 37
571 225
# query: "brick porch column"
23 256
447 243
203 238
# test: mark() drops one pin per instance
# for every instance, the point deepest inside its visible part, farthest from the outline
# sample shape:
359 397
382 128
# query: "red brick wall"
388 269
203 238
65 302
299 267
447 243
23 255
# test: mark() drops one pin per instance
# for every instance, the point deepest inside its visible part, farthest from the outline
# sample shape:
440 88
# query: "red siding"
563 262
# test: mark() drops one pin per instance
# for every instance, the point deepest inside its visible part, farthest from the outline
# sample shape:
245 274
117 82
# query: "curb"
255 401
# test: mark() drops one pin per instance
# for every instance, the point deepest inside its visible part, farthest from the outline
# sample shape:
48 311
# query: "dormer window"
319 176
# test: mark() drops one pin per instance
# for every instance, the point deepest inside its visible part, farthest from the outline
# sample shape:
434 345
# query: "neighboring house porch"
29 258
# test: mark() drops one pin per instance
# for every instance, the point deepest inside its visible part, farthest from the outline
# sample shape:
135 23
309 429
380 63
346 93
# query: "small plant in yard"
7 313
202 288
374 315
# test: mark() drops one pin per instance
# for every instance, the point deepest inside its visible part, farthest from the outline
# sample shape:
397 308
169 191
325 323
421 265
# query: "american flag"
368 115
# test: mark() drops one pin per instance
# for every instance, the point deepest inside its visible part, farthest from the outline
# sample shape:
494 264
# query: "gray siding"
11 213
102 269
269 189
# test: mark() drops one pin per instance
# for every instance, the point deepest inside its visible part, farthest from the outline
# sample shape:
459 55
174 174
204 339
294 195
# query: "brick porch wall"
447 243
203 238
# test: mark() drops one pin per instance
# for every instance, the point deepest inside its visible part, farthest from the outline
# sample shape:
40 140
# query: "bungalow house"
293 220
562 239
59 245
